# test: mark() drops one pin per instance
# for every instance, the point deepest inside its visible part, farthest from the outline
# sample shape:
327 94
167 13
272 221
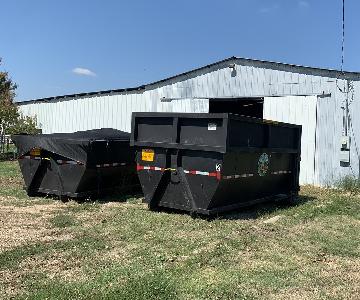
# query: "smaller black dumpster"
210 163
79 164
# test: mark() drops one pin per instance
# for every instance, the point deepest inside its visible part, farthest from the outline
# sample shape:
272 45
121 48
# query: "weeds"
62 221
349 184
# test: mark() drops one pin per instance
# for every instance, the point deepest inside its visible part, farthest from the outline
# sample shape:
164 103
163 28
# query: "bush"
24 124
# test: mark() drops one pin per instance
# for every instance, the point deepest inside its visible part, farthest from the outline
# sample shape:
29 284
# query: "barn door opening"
252 107
300 110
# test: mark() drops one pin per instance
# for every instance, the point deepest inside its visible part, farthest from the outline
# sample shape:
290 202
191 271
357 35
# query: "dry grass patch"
333 278
11 284
61 265
13 181
23 225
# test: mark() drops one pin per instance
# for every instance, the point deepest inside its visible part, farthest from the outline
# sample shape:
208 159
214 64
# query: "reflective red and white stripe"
210 174
238 176
110 165
280 172
190 172
68 162
139 167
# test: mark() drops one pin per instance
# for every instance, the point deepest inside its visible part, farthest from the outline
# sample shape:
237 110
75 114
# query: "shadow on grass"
250 212
121 195
258 210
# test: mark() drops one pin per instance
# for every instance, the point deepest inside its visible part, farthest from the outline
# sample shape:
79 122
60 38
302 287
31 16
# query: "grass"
62 221
119 250
349 184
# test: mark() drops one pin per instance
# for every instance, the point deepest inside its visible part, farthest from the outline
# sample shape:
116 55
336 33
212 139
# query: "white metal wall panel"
114 110
355 130
184 106
330 129
193 91
328 139
301 111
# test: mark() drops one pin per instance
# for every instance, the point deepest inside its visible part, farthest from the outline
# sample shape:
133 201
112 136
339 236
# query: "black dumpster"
210 163
79 164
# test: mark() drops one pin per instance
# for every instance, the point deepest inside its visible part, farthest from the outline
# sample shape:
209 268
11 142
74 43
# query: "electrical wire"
342 45
343 37
349 90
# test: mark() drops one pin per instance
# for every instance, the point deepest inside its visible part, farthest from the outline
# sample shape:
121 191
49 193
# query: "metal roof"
219 64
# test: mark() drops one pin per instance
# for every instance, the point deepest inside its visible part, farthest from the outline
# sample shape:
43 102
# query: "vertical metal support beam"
298 160
315 139
176 129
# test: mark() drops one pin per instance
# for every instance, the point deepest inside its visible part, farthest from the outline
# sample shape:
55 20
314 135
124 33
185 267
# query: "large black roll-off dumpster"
211 163
79 164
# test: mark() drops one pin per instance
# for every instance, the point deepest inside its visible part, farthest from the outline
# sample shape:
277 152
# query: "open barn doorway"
252 107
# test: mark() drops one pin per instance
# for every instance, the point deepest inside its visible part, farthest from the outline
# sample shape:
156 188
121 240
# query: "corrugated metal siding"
355 131
329 132
184 105
301 111
191 93
115 110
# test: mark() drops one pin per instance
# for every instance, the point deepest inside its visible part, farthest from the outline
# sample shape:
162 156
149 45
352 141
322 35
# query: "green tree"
11 120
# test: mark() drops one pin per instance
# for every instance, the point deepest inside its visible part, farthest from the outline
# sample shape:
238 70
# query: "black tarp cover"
75 146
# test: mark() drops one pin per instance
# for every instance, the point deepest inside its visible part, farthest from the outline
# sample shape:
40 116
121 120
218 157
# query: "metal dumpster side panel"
28 169
199 169
47 176
241 182
176 179
180 131
109 166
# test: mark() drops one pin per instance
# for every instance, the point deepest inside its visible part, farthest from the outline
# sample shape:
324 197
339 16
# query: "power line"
343 36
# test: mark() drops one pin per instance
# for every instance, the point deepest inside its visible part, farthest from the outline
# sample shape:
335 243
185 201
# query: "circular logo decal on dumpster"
263 164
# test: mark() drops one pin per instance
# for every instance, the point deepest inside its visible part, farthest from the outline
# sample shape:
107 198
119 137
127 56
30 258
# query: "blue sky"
69 46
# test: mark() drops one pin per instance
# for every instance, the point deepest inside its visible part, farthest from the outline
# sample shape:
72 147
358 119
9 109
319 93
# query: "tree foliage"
11 120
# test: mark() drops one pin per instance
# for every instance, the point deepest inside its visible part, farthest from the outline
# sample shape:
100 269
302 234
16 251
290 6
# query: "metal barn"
325 102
